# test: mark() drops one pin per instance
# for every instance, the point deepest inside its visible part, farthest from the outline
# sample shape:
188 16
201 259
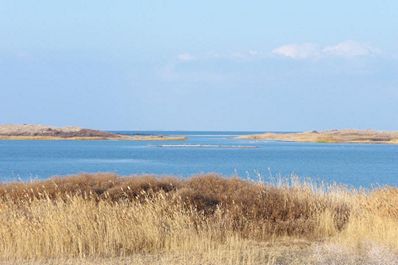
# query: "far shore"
331 136
157 138
43 132
94 138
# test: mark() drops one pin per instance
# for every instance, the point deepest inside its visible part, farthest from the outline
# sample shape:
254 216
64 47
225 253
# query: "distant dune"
43 132
331 136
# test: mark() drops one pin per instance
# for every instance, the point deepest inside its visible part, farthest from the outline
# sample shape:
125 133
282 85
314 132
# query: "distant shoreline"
44 132
331 136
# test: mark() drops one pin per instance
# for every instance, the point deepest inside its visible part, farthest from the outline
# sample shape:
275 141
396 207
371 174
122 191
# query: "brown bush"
278 210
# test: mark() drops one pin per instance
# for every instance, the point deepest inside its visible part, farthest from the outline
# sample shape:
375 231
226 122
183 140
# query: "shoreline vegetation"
206 219
41 132
331 136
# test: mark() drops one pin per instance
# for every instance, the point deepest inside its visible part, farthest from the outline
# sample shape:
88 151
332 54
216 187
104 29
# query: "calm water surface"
353 164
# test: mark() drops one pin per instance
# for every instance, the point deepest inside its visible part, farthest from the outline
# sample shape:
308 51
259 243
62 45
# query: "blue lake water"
353 164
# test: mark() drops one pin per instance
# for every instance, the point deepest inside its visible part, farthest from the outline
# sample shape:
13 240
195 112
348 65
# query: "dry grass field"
45 132
208 219
332 136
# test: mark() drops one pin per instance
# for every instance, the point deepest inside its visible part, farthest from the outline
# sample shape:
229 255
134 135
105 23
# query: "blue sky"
203 65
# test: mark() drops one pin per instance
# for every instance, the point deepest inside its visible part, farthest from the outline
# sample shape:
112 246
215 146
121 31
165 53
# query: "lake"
352 164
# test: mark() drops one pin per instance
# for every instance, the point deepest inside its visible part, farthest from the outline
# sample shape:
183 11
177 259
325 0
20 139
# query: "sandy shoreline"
42 132
120 138
332 136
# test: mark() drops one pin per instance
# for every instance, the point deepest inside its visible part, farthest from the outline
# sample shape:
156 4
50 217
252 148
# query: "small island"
331 136
43 132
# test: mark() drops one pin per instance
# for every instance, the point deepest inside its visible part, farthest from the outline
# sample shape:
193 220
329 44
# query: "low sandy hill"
43 132
31 131
331 136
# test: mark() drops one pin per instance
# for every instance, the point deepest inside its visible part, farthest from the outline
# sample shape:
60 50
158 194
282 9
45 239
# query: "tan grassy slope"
332 136
106 219
42 132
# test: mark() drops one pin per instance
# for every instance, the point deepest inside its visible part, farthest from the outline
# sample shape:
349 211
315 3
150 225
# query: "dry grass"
207 219
332 136
43 132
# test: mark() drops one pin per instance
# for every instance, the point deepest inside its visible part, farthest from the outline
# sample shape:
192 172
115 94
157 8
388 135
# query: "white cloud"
304 51
347 49
298 51
185 57
350 49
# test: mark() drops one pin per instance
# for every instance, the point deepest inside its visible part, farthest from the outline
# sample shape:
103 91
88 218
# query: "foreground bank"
207 219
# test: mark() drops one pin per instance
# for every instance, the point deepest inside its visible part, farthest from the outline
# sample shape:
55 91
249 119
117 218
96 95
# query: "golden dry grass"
332 136
51 138
43 132
106 219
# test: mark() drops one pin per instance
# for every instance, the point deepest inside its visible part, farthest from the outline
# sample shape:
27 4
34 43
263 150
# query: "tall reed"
228 220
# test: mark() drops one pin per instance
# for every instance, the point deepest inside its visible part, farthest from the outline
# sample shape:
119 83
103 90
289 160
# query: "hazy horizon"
224 66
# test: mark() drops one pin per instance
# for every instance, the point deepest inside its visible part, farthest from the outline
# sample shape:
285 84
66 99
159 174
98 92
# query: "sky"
200 65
